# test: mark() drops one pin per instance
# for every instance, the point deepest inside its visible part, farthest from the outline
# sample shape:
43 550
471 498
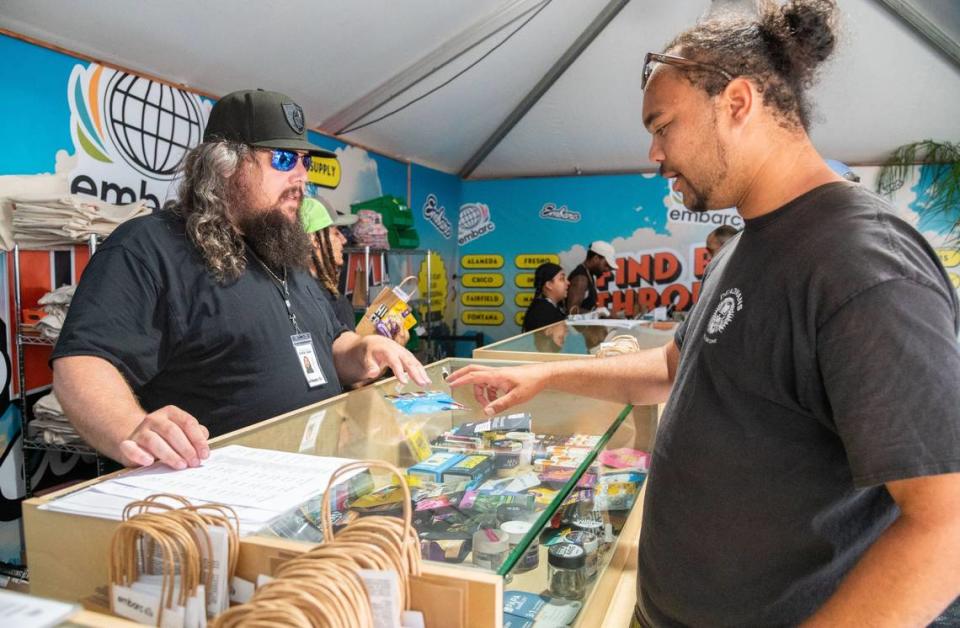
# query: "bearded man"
198 320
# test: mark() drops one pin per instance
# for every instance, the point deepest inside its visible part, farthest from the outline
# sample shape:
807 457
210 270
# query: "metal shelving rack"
22 338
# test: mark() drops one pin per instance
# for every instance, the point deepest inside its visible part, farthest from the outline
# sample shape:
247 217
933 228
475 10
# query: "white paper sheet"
260 484
27 611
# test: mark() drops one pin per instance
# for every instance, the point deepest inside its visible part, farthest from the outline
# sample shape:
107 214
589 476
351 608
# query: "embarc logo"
474 222
130 134
731 302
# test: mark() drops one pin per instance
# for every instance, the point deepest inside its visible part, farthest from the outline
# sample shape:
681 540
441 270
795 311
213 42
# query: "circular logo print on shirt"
731 302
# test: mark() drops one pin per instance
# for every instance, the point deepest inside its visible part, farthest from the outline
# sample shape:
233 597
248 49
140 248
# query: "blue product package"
512 621
541 610
433 467
424 402
523 604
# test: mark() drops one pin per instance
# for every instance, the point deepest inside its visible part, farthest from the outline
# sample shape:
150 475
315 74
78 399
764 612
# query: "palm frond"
940 177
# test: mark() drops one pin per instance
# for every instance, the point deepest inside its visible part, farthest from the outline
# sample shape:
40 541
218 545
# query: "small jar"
591 546
506 457
593 524
490 548
516 530
567 571
526 440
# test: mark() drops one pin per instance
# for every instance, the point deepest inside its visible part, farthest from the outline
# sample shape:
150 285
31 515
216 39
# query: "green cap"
314 215
261 118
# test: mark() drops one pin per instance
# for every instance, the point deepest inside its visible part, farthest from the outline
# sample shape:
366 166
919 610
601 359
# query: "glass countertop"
580 338
559 469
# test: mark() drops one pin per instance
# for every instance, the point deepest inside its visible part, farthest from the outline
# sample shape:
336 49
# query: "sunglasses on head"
652 58
286 160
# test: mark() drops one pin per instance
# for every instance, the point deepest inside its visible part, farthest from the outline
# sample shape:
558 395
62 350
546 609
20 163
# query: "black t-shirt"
820 362
541 313
342 308
147 304
589 302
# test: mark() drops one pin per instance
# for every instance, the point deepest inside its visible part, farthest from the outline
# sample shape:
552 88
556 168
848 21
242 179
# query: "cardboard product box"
475 467
435 466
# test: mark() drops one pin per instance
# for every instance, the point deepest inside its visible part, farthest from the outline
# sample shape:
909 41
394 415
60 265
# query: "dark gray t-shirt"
147 304
820 362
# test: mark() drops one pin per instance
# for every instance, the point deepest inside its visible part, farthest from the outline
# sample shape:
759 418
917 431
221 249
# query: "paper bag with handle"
390 311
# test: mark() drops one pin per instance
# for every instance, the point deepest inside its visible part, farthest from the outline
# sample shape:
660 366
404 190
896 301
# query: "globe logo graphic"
473 215
722 316
151 124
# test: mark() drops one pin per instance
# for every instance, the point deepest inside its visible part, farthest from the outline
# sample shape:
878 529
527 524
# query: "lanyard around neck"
282 287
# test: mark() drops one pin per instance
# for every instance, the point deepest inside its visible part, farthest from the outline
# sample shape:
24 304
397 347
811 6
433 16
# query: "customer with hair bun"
549 291
806 470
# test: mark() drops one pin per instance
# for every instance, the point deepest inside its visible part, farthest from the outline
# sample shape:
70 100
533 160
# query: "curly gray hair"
209 184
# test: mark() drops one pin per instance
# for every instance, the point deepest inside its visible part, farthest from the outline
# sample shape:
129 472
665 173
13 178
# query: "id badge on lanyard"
307 357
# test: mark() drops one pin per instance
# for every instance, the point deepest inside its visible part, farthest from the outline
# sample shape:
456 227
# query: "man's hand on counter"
380 353
170 435
360 359
497 389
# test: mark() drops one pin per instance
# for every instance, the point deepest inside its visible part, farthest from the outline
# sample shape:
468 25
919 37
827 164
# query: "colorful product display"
482 486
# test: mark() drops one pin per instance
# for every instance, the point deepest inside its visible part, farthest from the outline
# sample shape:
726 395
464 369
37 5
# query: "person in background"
201 319
582 296
806 468
717 238
550 287
328 229
326 254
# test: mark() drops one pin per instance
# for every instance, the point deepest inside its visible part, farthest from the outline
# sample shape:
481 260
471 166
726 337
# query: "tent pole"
436 59
565 61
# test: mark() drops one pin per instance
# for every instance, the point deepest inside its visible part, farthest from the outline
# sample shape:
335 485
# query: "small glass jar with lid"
592 523
591 545
490 548
567 571
517 530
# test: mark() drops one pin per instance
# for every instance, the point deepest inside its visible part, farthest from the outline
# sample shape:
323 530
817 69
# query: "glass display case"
561 470
575 339
544 502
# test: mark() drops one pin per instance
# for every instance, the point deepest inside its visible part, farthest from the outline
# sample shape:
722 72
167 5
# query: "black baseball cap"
261 118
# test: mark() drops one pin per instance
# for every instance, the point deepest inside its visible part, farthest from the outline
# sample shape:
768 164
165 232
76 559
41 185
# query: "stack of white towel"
55 305
50 425
65 220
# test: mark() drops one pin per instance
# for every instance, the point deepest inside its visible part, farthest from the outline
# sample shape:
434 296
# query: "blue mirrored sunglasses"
286 160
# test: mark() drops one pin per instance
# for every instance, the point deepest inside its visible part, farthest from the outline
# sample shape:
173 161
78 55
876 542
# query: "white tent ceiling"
886 86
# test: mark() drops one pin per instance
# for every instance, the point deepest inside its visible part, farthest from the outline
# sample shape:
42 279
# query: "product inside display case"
573 339
537 495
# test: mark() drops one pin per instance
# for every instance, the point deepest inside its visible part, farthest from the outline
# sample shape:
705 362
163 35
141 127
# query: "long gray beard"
277 241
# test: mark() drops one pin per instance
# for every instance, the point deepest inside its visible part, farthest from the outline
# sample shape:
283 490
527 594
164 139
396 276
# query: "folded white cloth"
62 295
49 424
48 405
55 304
50 326
64 220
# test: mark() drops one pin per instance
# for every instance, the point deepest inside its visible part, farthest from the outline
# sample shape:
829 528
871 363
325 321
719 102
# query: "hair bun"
804 32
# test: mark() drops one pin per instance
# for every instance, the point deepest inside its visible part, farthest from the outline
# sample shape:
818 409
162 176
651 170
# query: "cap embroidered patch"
294 115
